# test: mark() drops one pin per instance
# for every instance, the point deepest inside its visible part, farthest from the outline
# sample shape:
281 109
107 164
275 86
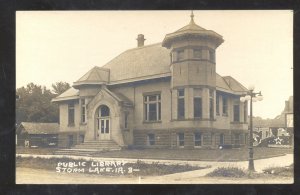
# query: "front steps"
88 148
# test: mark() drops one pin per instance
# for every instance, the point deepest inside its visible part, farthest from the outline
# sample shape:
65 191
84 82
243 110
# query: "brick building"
164 95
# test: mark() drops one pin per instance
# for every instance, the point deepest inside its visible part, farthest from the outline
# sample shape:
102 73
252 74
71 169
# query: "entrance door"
104 130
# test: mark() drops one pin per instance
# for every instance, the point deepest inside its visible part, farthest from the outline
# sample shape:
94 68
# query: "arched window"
103 111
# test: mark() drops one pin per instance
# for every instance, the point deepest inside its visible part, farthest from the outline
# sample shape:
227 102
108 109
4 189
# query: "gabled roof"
119 97
96 75
71 93
139 64
38 128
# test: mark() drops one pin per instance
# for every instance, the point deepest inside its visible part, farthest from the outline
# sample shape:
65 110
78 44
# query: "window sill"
236 122
226 115
194 119
83 123
149 122
71 125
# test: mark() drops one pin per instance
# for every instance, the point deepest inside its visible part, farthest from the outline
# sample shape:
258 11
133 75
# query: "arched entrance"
103 123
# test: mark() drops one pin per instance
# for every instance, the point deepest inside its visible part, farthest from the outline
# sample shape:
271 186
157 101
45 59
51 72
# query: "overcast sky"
62 46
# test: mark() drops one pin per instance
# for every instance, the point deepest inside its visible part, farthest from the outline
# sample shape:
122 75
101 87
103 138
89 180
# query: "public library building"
164 95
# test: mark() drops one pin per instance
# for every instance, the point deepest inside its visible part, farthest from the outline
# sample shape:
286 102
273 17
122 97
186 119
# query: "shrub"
227 172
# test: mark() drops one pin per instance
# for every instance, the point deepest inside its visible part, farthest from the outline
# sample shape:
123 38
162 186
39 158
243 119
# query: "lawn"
197 154
180 154
138 168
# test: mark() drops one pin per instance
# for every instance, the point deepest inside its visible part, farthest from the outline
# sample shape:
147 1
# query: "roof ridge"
142 47
223 77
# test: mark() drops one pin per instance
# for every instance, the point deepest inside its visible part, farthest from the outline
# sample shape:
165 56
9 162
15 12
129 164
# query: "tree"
34 104
60 87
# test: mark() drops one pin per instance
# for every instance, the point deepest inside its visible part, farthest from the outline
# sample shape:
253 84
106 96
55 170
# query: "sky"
54 46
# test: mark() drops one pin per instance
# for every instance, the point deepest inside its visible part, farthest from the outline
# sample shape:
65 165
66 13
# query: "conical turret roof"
192 29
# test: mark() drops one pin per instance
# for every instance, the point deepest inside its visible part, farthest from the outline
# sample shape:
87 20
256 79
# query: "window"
212 55
197 103
71 113
236 139
221 139
245 111
180 108
152 104
211 104
197 53
180 139
207 139
151 139
180 55
83 110
225 105
126 121
217 104
236 111
197 139
103 111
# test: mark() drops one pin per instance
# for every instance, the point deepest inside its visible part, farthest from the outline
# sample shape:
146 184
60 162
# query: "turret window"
180 104
197 103
180 55
197 53
212 56
211 104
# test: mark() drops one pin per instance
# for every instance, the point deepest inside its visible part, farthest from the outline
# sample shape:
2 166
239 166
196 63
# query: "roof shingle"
40 128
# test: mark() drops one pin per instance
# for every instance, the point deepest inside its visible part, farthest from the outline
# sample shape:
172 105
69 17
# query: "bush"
227 172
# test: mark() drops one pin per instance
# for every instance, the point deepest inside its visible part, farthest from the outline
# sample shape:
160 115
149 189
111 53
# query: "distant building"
164 95
289 112
37 134
280 130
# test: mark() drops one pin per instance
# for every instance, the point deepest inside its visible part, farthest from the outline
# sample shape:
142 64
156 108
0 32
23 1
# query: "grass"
196 154
179 154
235 172
139 168
228 172
280 171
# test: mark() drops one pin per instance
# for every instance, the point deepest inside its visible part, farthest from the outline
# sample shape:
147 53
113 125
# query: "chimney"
140 40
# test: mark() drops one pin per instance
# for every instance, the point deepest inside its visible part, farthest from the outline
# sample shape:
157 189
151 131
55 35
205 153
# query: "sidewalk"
190 176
